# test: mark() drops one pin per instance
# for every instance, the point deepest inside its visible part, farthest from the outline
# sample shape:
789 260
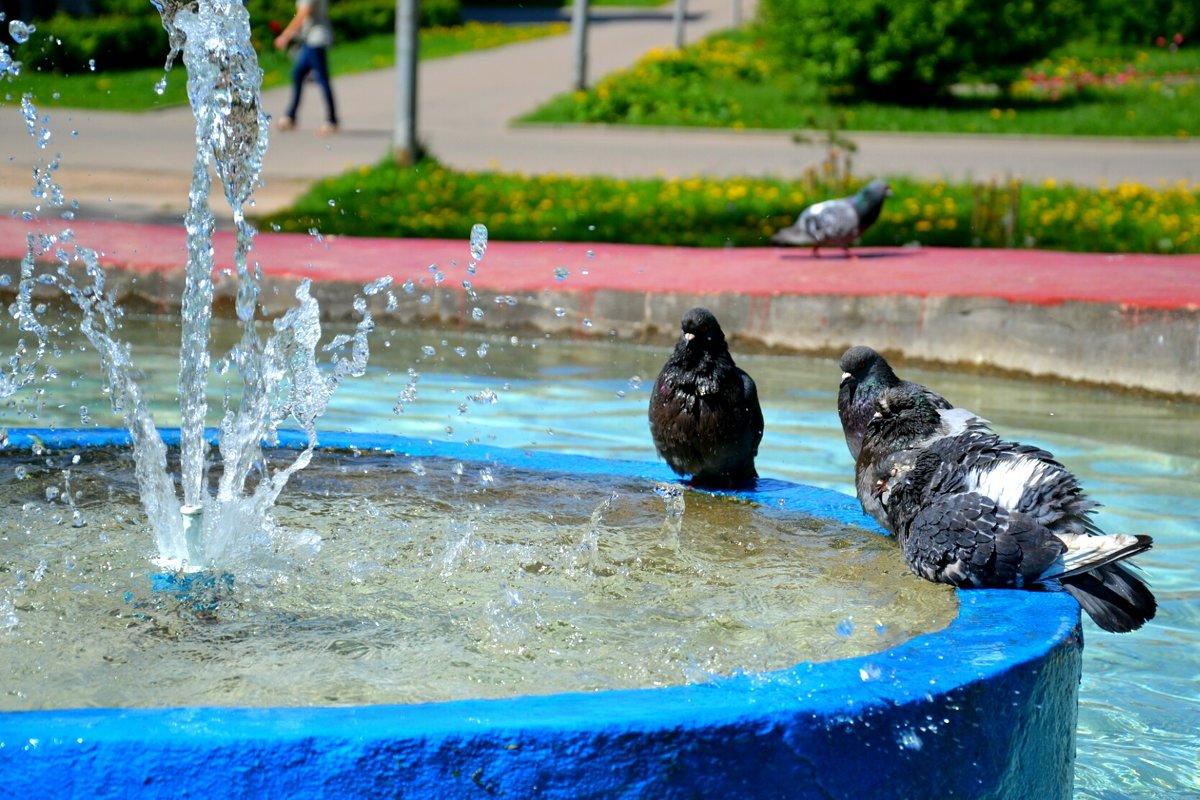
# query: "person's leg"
321 74
300 70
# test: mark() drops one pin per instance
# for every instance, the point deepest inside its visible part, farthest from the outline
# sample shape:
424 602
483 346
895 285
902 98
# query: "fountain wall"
984 708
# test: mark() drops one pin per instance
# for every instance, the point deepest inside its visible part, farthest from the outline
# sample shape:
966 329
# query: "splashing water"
281 379
20 31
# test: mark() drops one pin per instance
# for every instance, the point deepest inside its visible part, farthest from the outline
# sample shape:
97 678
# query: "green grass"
133 90
730 80
433 201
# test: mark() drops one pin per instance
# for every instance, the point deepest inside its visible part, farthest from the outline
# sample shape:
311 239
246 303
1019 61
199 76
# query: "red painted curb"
1026 276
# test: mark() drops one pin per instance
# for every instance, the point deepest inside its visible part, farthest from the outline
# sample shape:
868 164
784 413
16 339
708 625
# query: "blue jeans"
312 59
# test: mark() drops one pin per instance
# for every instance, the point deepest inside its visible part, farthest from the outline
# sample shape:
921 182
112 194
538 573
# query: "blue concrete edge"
985 707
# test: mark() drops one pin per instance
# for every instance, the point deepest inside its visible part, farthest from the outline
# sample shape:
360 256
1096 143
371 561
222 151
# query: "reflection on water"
1140 458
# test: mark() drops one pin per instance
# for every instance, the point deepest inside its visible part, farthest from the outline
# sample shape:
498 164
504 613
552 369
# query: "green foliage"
726 80
68 44
912 51
1142 22
433 201
130 35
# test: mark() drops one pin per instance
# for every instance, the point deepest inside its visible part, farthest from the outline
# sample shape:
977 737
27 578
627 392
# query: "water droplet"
635 382
591 253
417 468
909 740
428 350
870 672
845 628
482 350
587 323
476 313
479 241
52 493
485 476
20 31
461 351
560 312
561 273
92 64
161 86
377 286
880 628
20 472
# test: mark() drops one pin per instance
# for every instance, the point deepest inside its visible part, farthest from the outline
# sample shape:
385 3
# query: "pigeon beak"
687 337
846 376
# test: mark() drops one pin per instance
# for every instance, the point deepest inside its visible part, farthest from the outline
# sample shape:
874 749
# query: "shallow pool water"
1137 734
388 579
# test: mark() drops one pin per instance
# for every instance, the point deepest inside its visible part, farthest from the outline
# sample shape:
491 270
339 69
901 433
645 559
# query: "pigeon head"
904 416
702 332
868 202
862 366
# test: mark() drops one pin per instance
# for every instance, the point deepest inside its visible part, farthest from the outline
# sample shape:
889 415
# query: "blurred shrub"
68 44
913 51
1142 22
128 34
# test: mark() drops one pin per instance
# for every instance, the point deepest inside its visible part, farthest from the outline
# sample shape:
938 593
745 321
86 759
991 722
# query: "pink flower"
1178 38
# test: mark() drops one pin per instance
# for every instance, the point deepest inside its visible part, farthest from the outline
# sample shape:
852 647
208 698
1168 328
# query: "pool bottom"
985 708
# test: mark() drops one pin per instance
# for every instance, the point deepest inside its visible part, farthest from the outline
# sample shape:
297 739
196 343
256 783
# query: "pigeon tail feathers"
1116 599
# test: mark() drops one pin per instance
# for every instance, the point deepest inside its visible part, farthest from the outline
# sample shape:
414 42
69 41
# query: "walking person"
311 25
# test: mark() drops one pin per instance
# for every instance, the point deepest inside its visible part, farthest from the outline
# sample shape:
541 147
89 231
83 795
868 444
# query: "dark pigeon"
836 223
974 510
865 374
907 418
705 418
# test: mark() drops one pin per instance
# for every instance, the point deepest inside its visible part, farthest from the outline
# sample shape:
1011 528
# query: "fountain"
984 707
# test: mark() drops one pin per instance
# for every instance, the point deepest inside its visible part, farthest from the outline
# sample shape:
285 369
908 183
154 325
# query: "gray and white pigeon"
865 374
836 223
705 417
907 419
974 510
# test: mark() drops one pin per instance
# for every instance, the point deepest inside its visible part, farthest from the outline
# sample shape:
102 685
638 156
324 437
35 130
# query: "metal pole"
404 137
680 13
579 23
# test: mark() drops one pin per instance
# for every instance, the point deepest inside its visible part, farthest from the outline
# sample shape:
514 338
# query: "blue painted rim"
994 633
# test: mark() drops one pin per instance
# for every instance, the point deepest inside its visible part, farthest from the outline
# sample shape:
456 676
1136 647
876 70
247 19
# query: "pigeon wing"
967 540
833 222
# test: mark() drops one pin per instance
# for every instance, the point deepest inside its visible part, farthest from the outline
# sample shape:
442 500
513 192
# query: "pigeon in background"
906 420
974 510
705 418
836 223
865 374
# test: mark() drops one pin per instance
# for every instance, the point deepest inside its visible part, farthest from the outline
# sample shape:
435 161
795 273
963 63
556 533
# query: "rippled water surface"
388 579
1138 734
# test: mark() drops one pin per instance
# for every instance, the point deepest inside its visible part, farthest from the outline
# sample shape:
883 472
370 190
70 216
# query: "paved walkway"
138 166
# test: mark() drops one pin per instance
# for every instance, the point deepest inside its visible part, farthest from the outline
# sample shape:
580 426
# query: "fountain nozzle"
193 524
